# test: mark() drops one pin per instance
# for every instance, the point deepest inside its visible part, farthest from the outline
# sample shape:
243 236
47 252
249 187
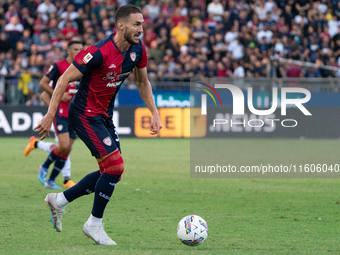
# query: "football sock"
66 179
84 187
104 188
66 171
94 221
51 158
58 165
45 146
61 200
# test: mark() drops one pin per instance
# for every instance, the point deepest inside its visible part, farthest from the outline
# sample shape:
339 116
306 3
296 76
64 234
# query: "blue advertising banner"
163 98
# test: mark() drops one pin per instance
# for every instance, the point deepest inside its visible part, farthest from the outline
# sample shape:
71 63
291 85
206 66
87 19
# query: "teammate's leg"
34 143
61 153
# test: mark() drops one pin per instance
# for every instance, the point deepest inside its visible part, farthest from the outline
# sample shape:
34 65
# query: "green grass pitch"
244 216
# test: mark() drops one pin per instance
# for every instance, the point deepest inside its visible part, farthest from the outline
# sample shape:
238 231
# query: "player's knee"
64 149
61 152
112 164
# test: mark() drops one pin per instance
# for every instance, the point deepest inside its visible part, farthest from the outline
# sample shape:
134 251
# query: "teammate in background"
63 130
34 143
103 67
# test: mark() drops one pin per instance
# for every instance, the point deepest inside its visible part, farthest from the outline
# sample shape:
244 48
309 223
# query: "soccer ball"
192 230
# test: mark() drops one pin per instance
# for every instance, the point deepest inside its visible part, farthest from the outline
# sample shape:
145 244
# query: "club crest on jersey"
133 56
87 58
107 141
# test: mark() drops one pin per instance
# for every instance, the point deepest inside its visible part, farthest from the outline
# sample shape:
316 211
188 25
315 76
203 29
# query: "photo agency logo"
265 116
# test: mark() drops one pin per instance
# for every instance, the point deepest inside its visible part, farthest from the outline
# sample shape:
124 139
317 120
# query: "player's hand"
156 124
66 97
44 126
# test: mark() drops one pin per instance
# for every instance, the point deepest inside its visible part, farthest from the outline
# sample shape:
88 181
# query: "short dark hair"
124 12
74 42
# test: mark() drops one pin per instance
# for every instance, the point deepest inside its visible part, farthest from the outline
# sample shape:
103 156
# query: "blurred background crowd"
184 39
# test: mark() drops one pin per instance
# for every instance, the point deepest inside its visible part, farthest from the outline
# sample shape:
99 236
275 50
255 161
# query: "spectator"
333 26
69 31
27 40
44 45
216 9
178 17
10 13
46 8
153 9
260 10
294 72
149 36
70 13
181 32
198 31
14 31
302 5
265 32
238 70
5 45
39 26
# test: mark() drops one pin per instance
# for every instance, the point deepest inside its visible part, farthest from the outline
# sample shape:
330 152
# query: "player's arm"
45 98
145 91
71 74
44 85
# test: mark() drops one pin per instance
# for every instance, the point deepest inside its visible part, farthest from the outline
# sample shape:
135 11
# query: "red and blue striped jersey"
104 68
54 72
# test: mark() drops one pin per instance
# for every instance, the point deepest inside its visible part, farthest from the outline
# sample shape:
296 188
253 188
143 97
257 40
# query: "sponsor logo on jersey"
87 58
133 56
107 141
110 76
112 66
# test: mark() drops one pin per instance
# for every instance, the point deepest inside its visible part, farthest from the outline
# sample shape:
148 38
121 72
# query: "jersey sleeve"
87 60
53 73
143 61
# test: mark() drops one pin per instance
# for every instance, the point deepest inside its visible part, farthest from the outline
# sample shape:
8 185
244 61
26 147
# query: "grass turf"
244 216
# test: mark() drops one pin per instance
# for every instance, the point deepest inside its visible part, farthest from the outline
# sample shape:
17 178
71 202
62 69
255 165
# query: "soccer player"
34 143
63 130
103 67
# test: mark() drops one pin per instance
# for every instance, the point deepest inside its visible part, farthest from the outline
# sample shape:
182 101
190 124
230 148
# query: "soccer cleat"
30 146
69 184
97 234
51 185
56 212
42 174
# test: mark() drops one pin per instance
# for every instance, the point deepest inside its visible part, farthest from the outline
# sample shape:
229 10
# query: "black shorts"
62 125
98 133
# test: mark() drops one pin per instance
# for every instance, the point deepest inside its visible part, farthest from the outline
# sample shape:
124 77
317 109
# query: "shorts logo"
107 141
87 58
60 127
133 56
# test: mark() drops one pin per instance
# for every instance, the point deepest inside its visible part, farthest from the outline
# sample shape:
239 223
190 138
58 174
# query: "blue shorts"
62 125
98 133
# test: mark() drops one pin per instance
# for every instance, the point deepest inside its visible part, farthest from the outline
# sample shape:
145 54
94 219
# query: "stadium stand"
184 39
